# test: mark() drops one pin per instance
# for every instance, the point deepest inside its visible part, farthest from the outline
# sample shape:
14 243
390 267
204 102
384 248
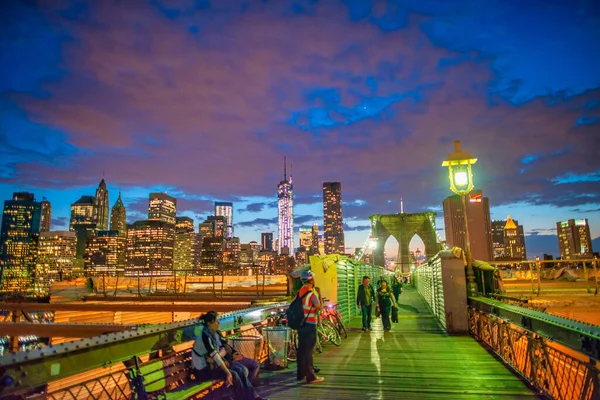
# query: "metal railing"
349 275
427 279
30 371
556 355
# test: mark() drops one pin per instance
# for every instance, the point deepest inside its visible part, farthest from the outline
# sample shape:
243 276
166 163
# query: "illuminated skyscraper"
480 225
213 226
105 253
305 238
314 246
332 216
224 209
162 207
266 241
21 221
56 255
514 240
574 239
118 217
285 206
46 215
185 238
498 246
150 248
101 207
82 222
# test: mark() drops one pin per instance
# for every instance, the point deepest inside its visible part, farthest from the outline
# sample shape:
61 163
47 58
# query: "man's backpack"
295 312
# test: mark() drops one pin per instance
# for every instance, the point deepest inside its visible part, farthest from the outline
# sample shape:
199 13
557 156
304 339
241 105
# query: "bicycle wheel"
332 333
319 345
339 325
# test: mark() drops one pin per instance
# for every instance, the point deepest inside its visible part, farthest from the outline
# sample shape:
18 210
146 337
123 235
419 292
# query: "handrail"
25 371
579 336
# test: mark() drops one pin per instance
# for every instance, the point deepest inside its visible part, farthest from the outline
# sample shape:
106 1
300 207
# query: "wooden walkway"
415 360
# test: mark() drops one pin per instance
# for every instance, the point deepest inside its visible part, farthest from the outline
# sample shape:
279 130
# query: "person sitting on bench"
208 360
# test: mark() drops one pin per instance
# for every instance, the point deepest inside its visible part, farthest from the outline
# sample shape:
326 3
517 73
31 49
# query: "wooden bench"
168 377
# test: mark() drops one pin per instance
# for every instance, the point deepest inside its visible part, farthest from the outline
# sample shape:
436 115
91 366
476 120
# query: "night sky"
203 99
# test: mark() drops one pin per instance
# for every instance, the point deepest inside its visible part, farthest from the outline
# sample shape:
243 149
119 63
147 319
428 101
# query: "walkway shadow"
408 308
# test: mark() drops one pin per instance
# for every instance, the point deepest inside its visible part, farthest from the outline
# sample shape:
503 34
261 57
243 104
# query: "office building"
118 217
105 253
285 207
185 237
305 238
56 255
150 247
224 209
498 247
480 225
508 240
314 246
101 207
213 226
82 223
514 240
332 218
162 207
266 241
574 239
46 215
21 222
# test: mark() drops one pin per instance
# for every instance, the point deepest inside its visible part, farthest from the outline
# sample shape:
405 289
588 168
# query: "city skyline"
367 96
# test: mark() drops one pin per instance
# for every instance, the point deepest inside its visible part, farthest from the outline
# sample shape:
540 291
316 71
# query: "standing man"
364 299
307 334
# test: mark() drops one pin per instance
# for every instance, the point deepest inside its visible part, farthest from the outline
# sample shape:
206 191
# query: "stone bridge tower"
403 227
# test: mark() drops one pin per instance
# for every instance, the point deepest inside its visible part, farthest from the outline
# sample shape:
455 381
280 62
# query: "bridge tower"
403 227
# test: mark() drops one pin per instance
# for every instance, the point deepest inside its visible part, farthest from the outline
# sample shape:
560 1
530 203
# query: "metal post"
587 278
538 265
594 263
532 278
471 285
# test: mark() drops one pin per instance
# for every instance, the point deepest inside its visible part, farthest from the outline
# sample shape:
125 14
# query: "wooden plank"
415 360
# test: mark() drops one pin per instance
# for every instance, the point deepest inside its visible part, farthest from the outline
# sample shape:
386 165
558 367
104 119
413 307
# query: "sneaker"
316 380
364 329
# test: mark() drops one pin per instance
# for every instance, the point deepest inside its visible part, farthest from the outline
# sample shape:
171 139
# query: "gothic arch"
403 227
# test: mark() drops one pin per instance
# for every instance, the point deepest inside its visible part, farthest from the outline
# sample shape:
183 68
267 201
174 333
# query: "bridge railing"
27 372
349 275
442 284
558 356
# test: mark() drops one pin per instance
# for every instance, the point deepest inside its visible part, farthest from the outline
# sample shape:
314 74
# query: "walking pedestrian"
397 287
385 302
365 297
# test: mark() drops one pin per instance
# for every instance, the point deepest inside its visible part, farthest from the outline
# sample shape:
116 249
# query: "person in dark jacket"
207 350
385 302
397 288
365 297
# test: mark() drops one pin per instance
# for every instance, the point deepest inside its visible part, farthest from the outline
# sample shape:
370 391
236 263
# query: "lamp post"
461 182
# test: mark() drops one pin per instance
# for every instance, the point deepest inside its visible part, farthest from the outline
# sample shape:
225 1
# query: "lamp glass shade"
461 178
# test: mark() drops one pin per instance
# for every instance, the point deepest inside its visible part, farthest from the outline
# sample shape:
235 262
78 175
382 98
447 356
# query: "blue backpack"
295 312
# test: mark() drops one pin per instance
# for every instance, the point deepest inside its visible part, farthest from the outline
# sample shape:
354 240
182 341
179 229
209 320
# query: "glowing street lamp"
461 182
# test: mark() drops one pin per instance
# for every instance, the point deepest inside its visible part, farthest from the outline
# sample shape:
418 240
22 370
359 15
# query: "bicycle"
336 318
